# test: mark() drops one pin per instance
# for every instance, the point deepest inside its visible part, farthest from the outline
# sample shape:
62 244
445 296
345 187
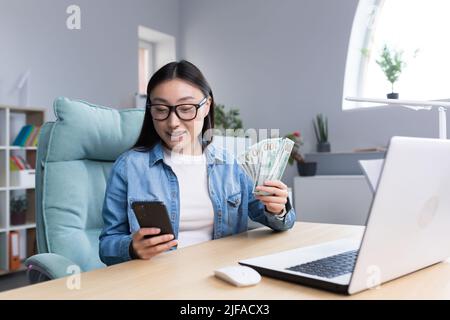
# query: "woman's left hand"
276 202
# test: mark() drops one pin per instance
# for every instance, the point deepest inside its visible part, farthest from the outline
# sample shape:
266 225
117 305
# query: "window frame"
150 62
357 64
163 52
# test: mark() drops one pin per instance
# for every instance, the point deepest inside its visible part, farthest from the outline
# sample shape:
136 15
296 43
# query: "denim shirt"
143 176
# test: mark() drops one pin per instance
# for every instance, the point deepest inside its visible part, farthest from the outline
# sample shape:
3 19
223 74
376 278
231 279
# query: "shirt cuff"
281 215
133 254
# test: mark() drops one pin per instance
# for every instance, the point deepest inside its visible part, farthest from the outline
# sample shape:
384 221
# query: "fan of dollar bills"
266 160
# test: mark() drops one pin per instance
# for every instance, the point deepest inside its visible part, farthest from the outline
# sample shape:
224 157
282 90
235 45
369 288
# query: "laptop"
407 227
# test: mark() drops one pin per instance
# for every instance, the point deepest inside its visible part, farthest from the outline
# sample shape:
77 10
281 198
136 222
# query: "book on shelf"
17 163
14 254
28 136
32 139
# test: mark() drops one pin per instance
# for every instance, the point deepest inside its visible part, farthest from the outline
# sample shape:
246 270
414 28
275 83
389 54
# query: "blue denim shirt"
143 176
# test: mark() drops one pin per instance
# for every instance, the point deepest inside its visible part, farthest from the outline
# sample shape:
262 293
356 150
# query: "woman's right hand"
146 248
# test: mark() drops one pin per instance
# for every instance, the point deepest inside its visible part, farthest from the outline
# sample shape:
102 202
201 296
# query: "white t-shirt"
196 210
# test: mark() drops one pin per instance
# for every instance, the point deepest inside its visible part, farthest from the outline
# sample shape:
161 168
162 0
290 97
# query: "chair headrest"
86 131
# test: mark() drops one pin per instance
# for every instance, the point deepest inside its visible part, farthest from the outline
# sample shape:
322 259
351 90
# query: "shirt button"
173 194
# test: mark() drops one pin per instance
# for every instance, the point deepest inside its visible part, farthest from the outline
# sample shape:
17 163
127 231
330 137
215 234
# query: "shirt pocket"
234 200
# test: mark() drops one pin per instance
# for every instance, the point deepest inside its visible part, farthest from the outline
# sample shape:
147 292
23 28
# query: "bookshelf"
12 119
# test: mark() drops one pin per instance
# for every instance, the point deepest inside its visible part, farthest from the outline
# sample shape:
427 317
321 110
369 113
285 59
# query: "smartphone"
152 214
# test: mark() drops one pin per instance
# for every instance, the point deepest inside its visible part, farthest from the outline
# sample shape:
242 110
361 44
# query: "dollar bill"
266 160
250 160
268 157
282 160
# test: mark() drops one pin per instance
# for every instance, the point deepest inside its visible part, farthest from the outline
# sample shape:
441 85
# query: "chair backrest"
74 159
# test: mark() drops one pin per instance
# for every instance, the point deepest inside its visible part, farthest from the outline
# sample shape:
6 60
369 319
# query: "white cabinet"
332 199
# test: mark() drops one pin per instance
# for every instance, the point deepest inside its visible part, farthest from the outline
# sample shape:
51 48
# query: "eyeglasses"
186 112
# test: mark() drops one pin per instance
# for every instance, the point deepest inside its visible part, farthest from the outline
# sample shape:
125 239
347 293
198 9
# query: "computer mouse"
240 276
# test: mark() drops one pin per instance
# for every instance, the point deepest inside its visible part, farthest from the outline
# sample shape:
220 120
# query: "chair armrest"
47 266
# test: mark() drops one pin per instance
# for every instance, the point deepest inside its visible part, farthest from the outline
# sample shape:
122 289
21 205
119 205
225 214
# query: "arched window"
420 29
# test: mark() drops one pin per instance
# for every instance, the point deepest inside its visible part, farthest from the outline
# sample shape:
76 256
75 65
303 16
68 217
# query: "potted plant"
392 65
228 130
321 131
305 169
18 209
226 119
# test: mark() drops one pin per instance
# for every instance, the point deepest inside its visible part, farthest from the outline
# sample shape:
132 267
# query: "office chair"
74 158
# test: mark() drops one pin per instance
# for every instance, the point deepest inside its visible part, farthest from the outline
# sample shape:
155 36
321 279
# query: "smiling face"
180 135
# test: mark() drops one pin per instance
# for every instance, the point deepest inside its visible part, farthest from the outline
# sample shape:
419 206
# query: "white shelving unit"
12 119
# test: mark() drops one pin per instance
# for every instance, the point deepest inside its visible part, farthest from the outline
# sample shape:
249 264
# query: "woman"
207 194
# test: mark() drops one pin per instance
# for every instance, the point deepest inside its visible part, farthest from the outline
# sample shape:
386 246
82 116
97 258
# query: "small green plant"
295 153
321 128
226 119
392 64
18 204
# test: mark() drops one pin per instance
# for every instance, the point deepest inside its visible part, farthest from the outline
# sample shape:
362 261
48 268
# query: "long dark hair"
183 70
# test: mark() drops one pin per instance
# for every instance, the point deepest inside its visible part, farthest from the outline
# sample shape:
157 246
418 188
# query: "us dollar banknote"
266 160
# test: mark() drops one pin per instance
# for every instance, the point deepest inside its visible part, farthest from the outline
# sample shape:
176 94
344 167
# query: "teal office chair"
74 159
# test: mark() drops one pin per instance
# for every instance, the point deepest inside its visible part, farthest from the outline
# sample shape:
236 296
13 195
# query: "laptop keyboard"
329 267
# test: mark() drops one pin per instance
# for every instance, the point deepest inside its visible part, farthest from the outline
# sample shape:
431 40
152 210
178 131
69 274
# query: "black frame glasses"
176 109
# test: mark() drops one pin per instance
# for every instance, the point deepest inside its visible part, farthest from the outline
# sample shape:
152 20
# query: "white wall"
97 63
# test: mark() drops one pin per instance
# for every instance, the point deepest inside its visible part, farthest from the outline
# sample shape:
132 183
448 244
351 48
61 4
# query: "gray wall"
282 62
97 63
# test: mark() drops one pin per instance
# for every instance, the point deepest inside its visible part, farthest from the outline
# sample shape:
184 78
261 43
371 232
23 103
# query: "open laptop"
407 228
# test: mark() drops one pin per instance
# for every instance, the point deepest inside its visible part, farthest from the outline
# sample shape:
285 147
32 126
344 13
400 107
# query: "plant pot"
307 169
392 95
323 147
18 218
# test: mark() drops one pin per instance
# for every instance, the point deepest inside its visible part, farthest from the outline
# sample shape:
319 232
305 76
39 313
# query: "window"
146 64
155 49
419 29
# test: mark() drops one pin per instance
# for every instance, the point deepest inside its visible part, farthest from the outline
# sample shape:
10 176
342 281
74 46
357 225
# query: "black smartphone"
152 214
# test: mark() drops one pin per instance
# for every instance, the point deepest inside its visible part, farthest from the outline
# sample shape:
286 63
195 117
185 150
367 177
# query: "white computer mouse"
240 276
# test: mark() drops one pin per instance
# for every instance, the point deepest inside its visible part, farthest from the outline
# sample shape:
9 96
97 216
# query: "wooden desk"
187 273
